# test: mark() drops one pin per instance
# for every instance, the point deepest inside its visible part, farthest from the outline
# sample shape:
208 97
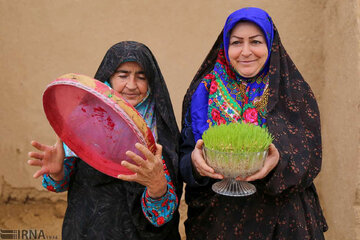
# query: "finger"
211 175
199 144
274 153
59 144
199 159
129 178
36 162
36 155
40 172
216 175
136 158
258 175
272 148
58 140
39 146
270 162
201 164
263 172
148 155
130 166
159 151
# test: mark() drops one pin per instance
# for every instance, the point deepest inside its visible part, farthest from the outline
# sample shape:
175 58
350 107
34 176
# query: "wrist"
158 190
194 171
57 176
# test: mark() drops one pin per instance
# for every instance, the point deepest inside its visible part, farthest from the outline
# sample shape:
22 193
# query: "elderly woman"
139 206
248 77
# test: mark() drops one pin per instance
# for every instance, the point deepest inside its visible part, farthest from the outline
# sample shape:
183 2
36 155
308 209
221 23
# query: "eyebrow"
258 35
124 71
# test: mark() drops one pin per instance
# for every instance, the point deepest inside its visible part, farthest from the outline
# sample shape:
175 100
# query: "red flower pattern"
251 116
50 188
236 117
160 221
215 114
213 87
221 121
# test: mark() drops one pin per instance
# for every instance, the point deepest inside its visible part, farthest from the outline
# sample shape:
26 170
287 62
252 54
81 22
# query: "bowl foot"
233 188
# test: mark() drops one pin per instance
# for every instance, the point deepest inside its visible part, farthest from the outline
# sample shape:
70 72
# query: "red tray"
95 122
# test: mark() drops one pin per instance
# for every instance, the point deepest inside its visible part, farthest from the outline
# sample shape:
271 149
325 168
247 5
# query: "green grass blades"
237 138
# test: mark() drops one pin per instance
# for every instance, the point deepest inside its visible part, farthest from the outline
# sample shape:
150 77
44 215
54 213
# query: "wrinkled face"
130 81
247 49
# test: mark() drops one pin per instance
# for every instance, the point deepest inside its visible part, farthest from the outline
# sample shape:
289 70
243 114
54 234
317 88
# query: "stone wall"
41 40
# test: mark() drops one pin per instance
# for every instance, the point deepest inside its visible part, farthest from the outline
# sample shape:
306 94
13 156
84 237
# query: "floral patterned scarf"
228 96
232 99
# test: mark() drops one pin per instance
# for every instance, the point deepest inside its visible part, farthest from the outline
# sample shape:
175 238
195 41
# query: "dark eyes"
254 42
235 43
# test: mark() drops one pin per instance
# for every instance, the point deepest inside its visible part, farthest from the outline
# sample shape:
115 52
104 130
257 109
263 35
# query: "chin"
133 103
248 74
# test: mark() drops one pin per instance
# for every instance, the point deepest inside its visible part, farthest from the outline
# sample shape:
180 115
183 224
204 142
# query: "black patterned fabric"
102 207
286 205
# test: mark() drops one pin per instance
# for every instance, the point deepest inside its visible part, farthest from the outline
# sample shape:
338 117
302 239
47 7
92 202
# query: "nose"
246 51
131 83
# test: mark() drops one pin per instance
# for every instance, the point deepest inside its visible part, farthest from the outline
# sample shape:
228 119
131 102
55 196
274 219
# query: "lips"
130 95
247 61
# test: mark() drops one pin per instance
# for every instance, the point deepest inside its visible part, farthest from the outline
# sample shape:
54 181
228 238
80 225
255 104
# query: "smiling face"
247 49
130 81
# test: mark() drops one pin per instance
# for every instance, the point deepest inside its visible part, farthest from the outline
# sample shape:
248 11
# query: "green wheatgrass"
237 138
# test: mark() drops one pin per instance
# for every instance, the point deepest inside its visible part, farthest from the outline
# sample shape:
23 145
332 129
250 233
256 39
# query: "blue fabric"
62 185
107 83
68 151
255 87
252 14
161 210
187 146
146 108
199 109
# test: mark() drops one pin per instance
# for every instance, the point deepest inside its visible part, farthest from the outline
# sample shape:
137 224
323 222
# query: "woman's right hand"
50 159
199 163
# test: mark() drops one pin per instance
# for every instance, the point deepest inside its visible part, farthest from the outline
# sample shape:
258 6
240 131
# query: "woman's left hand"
270 163
149 172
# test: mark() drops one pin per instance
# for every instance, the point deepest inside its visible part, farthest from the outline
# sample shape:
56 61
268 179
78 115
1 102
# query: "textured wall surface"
41 40
339 181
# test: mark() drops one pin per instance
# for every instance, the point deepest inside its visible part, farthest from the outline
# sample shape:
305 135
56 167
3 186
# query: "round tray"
95 122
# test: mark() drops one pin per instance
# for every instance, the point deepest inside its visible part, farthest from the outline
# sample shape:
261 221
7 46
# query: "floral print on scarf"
233 99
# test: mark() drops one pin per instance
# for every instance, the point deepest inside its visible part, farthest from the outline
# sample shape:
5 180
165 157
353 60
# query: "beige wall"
43 39
339 181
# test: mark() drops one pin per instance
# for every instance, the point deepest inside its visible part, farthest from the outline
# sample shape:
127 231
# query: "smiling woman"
138 206
248 77
248 51
130 81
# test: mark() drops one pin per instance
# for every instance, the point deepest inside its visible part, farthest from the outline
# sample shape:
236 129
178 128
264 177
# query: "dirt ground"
43 214
33 215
